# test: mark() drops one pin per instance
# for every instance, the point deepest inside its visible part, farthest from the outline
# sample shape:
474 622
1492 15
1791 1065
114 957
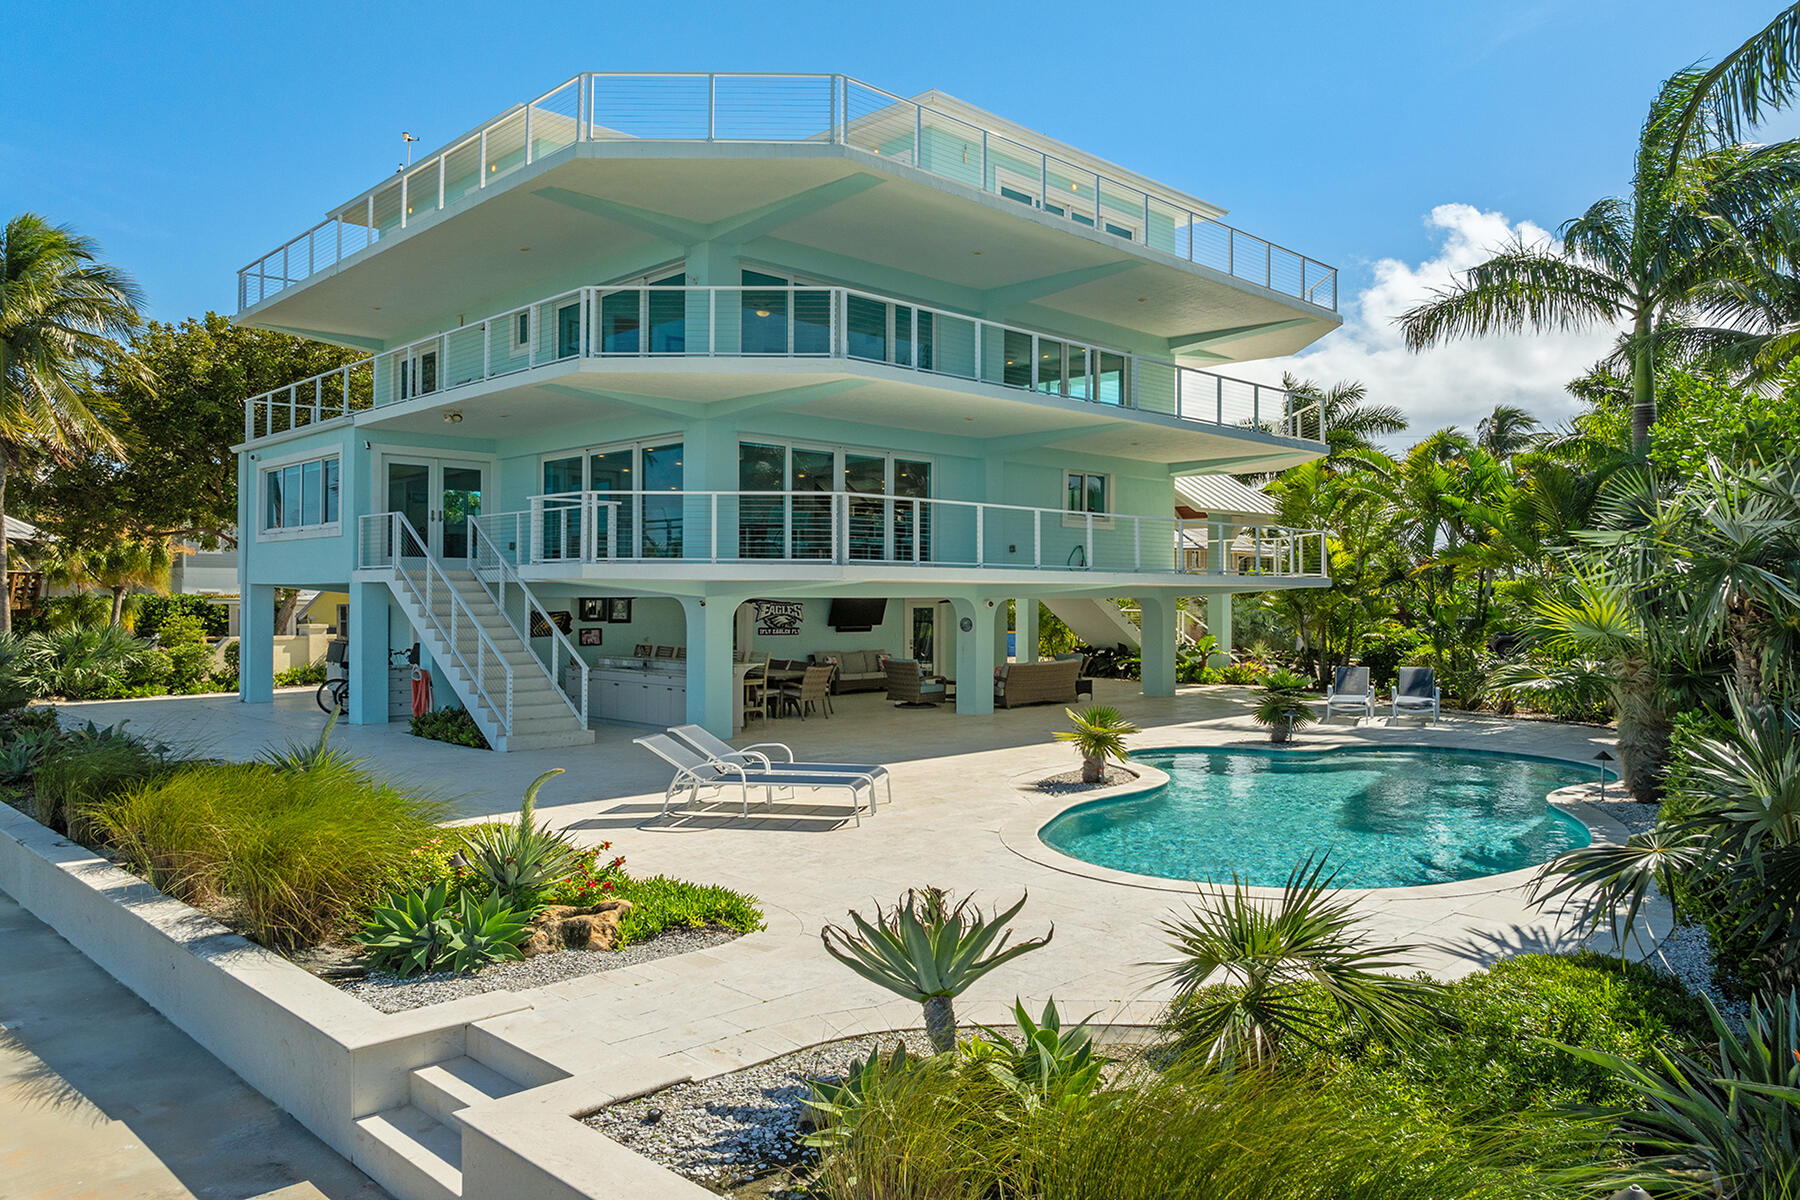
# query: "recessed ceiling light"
1143 299
524 249
974 252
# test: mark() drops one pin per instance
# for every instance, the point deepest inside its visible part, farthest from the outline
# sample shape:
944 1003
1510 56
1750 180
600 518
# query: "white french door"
438 496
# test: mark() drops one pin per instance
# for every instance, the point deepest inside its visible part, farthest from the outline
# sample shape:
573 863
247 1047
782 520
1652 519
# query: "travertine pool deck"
960 820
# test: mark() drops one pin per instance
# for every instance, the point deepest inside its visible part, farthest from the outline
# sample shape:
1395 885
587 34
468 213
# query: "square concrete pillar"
1025 621
1218 623
711 623
369 654
1157 631
256 646
974 655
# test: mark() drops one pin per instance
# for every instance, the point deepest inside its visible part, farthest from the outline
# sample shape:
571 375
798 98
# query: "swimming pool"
1389 817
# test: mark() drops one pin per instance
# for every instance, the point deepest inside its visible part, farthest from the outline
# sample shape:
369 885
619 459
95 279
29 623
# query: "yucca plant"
1246 970
1099 734
523 859
1283 703
929 952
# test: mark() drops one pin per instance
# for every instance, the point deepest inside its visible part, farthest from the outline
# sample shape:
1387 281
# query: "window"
302 495
521 332
418 374
1085 493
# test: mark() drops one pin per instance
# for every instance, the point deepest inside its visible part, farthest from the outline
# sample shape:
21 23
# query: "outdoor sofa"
857 670
1051 682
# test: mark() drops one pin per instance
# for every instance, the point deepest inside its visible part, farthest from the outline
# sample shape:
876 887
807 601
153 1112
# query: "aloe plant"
523 859
1099 734
929 952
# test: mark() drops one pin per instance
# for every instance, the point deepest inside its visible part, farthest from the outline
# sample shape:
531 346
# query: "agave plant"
486 931
1099 734
1271 955
521 860
411 932
929 952
1283 703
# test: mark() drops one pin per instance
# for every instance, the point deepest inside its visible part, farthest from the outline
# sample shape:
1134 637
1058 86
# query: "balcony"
851 535
739 339
943 138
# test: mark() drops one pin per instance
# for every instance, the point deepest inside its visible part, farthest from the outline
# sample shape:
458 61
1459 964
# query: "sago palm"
62 313
1099 734
929 952
1696 214
1249 973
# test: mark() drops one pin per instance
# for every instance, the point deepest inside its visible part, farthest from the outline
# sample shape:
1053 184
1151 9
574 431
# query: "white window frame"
1051 205
1077 518
526 317
281 533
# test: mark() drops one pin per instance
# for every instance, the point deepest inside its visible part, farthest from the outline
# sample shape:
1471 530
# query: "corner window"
302 495
1085 493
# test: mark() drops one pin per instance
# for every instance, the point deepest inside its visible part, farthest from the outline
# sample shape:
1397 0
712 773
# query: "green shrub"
1384 648
1495 1054
87 767
16 687
453 725
190 668
179 629
311 674
660 903
426 930
92 664
297 853
597 875
154 610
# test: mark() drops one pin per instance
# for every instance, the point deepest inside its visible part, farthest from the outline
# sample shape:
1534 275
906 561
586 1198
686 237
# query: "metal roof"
1223 495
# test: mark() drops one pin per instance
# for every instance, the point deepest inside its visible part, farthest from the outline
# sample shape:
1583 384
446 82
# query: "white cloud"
1459 382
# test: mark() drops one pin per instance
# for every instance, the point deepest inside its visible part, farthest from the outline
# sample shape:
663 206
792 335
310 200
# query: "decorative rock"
569 927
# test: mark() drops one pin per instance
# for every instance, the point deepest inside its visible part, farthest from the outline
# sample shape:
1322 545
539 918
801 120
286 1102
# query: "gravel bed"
390 993
1070 781
729 1130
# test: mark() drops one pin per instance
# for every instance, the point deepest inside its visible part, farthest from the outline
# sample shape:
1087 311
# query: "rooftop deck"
940 136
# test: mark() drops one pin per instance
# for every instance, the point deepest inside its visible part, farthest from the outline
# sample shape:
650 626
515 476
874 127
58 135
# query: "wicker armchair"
907 684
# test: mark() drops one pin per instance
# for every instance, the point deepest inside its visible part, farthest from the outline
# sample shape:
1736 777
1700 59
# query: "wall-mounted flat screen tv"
853 614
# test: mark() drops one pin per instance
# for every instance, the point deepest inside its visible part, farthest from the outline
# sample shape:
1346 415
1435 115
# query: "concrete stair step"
541 740
411 1153
499 1043
446 1088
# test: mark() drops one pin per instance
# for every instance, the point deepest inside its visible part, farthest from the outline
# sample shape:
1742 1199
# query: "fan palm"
1274 958
929 952
62 311
1099 734
1697 210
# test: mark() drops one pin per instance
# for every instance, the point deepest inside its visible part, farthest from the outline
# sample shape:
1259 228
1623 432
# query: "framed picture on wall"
561 616
593 608
590 635
618 610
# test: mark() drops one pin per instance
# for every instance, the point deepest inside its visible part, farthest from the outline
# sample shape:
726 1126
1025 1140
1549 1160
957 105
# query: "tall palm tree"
1350 422
62 313
1698 210
118 567
1507 431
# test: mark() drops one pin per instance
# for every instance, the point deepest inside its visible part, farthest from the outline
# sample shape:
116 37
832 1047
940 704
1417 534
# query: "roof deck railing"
620 324
764 108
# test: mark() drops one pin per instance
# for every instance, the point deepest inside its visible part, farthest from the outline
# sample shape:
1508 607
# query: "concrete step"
498 1043
543 740
411 1153
446 1088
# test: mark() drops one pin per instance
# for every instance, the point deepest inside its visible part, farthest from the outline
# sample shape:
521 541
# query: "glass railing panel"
772 108
866 328
505 147
1212 245
554 120
649 106
462 355
1153 386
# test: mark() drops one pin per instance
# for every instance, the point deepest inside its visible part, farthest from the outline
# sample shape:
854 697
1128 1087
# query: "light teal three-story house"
670 369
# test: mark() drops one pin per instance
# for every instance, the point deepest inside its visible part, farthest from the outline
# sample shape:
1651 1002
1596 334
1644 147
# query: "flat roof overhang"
784 203
874 394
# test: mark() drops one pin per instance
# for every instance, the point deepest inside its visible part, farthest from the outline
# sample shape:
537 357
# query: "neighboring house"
667 368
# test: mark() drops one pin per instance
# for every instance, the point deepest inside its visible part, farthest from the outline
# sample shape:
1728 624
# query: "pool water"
1389 818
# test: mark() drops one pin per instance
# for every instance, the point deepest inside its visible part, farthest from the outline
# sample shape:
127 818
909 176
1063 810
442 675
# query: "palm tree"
62 313
1099 734
1698 211
1350 423
1508 431
120 567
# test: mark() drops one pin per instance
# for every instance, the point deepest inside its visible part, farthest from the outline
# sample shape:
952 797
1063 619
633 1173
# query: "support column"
999 632
711 621
256 645
1025 620
974 655
1218 623
368 633
1157 632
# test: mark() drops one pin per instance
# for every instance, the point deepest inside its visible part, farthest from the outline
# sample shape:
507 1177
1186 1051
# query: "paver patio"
957 787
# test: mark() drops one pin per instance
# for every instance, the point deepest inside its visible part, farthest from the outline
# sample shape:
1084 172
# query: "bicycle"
333 695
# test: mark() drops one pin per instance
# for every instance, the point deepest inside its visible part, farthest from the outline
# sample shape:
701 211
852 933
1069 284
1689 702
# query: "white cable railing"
624 323
648 528
759 108
500 579
389 540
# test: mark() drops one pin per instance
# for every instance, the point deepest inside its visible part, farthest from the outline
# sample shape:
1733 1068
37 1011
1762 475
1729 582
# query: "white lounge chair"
722 751
692 773
1352 691
1416 691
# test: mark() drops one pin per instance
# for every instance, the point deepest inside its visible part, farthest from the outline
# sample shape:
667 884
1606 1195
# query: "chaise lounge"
694 774
722 751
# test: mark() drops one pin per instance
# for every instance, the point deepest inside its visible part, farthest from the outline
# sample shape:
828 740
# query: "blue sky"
190 138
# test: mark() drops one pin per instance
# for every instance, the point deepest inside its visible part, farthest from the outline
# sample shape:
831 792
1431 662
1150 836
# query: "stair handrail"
400 532
488 556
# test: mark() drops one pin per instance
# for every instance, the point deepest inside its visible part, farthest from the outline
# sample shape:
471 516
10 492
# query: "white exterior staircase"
1099 623
509 691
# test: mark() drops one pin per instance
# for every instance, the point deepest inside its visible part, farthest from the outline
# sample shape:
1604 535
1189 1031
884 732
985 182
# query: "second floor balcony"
715 343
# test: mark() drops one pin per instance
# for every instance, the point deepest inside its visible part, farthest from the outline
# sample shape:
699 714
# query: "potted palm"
1283 703
1099 734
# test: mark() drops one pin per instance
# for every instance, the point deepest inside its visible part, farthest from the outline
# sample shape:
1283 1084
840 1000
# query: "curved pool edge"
1019 834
